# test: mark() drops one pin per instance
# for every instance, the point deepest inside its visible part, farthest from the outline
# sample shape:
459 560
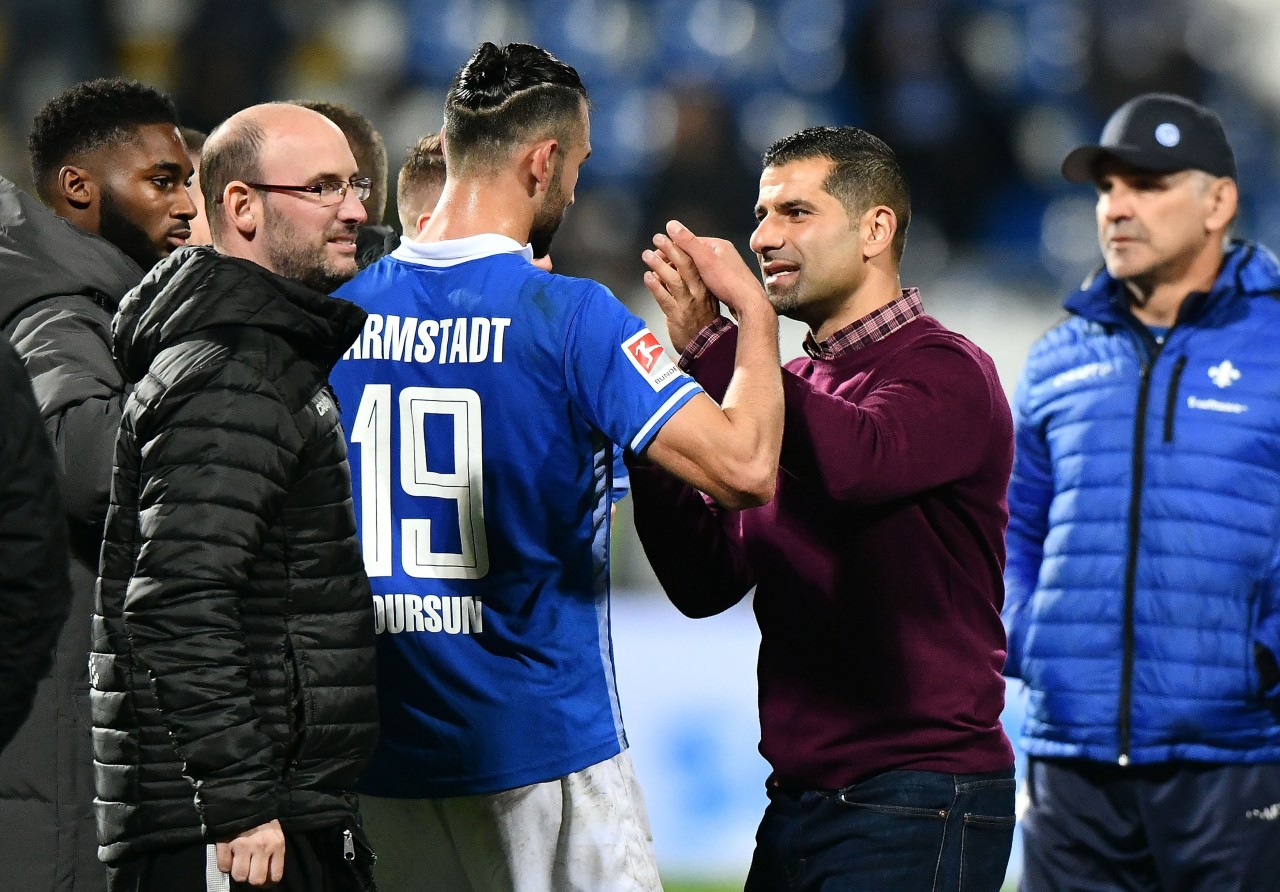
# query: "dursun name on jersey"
394 614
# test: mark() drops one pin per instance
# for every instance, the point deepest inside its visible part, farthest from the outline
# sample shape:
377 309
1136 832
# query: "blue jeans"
901 831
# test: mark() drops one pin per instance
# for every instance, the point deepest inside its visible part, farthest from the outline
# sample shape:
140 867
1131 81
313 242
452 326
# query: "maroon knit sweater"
877 566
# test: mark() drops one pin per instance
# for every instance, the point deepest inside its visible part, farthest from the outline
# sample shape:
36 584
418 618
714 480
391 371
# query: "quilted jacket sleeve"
1030 492
217 450
35 593
65 344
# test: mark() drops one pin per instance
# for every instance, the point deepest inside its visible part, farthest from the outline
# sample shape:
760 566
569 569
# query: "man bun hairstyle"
506 96
87 117
865 171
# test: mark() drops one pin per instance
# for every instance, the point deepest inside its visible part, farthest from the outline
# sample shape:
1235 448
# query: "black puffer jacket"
35 593
59 286
373 242
232 662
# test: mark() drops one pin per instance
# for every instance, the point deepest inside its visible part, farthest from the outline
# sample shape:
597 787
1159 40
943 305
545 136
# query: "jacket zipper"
1131 560
1146 345
1171 400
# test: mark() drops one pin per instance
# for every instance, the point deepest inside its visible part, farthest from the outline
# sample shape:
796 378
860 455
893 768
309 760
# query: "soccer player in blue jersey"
482 402
418 188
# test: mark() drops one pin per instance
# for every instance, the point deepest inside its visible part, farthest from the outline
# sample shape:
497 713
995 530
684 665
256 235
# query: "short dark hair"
366 145
193 138
505 96
423 170
865 171
87 117
235 154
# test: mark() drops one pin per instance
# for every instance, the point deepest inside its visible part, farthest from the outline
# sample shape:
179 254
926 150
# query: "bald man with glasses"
232 661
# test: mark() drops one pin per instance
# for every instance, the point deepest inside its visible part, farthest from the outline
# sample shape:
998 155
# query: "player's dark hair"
193 138
87 117
506 96
865 171
366 145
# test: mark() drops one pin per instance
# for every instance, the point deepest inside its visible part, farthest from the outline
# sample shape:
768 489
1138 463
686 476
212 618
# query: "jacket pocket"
1171 398
1268 669
1253 685
296 705
358 856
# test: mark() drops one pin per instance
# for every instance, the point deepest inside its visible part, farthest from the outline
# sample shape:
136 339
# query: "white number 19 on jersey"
464 485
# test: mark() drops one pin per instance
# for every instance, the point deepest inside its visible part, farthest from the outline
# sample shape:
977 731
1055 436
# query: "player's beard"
548 218
303 256
129 237
785 299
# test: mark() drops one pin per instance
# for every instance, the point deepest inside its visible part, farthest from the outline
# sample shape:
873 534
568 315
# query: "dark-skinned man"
110 168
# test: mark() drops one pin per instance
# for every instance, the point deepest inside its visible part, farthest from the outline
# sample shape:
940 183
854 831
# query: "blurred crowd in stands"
980 98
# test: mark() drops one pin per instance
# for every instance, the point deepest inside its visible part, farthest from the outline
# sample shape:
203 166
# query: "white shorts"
585 832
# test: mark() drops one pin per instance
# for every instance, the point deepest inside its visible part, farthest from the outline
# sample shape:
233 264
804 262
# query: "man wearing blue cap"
1143 577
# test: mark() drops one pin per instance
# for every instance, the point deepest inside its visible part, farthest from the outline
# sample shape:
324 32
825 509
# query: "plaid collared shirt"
875 326
702 341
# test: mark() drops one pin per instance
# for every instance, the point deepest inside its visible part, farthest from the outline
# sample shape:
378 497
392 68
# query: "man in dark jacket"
108 161
232 663
35 593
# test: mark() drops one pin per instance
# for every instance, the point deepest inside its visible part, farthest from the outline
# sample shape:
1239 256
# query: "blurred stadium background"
980 98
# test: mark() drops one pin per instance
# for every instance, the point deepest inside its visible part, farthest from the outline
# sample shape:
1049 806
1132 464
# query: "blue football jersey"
482 402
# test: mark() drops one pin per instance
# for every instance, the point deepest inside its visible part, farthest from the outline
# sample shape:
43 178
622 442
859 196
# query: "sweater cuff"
702 342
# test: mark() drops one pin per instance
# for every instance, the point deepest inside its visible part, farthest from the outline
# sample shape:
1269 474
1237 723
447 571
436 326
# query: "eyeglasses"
331 192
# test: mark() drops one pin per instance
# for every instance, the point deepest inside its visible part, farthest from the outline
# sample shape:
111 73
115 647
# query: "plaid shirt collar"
875 326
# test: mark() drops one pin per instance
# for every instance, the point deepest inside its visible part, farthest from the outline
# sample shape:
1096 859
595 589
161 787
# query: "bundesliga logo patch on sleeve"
650 360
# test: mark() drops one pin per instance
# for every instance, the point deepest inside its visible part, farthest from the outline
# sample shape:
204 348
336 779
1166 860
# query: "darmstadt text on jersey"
407 339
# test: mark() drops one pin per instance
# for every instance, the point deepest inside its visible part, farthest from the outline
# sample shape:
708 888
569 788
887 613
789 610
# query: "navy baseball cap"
1157 132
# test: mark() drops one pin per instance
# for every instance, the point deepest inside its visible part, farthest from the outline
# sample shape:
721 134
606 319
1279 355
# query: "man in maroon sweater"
878 564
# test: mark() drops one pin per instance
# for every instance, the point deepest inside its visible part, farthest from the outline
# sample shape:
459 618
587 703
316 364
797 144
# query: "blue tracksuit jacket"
1143 578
